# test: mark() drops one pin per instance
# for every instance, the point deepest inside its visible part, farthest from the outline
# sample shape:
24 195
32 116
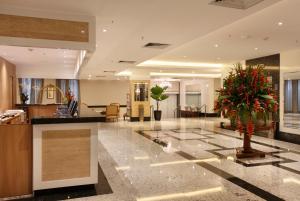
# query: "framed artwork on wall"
50 92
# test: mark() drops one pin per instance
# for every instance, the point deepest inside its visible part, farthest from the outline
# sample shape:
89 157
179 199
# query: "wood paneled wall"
7 84
42 28
16 160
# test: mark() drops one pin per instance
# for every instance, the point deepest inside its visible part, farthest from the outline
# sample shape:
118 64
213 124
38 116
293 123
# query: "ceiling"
41 62
193 29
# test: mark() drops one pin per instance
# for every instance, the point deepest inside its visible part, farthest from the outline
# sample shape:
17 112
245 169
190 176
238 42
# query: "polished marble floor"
192 159
292 120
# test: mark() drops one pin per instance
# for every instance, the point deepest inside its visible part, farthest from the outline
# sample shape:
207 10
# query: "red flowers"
256 105
246 93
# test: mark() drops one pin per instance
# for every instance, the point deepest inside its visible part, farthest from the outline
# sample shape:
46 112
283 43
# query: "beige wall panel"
104 92
65 154
7 84
42 28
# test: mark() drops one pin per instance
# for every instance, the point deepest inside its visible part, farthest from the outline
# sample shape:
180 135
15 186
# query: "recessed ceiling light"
90 75
82 31
256 48
124 73
280 23
186 75
152 63
216 45
104 30
184 56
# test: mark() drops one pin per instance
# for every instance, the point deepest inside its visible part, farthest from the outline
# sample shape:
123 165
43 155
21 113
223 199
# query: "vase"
157 115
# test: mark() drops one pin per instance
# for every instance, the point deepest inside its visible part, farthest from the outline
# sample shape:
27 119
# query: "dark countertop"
67 119
27 105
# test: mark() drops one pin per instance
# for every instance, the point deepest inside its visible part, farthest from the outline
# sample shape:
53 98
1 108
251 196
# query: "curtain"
65 85
288 96
32 88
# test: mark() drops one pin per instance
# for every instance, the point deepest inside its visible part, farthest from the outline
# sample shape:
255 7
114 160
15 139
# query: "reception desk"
65 151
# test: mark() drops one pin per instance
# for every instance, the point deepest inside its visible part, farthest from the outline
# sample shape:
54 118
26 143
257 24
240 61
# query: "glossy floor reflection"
192 159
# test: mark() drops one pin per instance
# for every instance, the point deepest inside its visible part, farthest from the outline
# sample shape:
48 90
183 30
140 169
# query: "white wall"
289 69
104 92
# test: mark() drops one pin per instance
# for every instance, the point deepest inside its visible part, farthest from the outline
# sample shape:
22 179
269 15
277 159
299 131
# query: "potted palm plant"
246 96
158 94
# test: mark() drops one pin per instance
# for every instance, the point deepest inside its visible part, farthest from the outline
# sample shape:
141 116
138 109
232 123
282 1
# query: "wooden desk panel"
16 160
65 154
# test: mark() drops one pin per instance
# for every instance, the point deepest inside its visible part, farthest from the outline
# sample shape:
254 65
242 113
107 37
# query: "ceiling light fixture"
256 48
280 24
216 45
124 73
179 64
104 30
186 75
82 31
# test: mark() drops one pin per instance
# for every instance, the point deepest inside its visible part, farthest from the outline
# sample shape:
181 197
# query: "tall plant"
245 94
158 94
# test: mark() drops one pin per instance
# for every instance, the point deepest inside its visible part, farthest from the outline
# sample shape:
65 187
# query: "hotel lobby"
130 100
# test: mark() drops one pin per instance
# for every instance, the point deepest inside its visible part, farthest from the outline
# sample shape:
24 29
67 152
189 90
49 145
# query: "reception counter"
65 151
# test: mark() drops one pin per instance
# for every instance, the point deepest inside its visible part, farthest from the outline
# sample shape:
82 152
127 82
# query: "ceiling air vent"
126 62
100 76
238 4
157 45
109 71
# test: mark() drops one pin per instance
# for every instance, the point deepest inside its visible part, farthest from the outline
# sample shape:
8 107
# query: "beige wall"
104 92
7 84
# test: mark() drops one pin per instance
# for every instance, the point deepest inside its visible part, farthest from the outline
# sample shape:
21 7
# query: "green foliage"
157 93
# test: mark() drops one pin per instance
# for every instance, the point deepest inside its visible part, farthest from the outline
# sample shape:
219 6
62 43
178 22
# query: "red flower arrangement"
245 94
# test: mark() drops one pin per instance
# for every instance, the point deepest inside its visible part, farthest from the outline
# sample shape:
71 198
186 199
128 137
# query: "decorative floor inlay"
222 146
